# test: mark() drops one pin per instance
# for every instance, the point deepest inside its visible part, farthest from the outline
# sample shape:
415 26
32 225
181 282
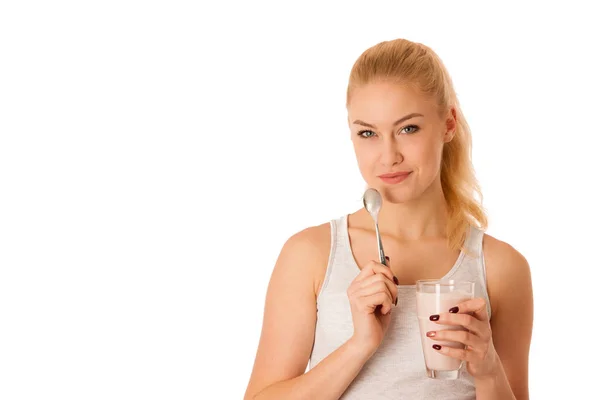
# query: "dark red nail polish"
454 310
396 302
387 258
434 317
396 281
437 347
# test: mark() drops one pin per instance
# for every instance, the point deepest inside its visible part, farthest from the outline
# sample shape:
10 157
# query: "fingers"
369 302
469 353
465 320
470 314
382 279
364 296
372 268
375 285
476 307
461 354
464 337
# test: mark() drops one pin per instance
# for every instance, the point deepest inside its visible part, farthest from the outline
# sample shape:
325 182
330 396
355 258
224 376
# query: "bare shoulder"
500 253
511 297
290 312
507 270
310 249
316 238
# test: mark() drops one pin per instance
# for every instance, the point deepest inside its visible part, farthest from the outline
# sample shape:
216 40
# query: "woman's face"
394 129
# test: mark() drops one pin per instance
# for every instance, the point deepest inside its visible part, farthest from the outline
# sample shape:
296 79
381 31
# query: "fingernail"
437 347
434 317
430 334
454 310
396 281
387 258
396 302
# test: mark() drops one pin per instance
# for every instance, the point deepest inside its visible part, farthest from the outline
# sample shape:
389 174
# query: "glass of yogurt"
436 297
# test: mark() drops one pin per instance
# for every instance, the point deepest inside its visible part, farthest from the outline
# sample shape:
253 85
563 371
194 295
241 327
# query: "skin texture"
412 224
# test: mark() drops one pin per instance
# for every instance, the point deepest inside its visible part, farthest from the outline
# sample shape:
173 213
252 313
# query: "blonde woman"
330 306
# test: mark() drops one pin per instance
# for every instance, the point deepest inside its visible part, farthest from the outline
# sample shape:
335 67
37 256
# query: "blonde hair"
414 64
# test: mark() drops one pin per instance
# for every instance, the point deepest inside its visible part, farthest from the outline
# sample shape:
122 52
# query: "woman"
352 319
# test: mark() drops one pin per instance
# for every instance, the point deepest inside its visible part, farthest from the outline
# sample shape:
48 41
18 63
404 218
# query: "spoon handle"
382 259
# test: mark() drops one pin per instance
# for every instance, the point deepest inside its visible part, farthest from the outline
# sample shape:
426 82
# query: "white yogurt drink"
436 297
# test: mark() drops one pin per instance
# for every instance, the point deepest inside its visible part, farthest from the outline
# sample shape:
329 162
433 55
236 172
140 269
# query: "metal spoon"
372 203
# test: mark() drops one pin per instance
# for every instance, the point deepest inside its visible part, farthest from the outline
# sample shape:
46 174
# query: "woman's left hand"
479 354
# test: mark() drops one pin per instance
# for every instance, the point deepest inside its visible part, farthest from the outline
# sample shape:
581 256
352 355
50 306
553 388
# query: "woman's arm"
511 295
289 324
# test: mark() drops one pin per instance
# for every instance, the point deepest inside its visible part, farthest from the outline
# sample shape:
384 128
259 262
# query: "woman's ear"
450 126
448 136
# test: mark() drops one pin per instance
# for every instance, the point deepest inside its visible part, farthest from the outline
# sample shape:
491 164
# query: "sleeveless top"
397 369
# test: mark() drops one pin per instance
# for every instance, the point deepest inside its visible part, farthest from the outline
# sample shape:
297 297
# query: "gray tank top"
397 369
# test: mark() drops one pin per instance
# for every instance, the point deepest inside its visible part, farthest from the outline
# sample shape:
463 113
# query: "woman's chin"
396 195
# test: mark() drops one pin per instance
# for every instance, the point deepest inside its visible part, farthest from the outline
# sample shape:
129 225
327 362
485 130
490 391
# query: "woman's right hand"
374 286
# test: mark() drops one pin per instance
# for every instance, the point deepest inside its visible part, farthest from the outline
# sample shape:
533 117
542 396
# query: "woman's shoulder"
312 237
507 269
502 256
308 250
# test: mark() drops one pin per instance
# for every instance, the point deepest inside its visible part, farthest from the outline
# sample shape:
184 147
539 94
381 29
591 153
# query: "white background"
155 156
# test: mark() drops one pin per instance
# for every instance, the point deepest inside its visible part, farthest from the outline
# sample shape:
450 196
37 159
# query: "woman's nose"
390 153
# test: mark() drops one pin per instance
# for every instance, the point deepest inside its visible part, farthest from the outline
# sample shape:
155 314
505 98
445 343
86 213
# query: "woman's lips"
395 177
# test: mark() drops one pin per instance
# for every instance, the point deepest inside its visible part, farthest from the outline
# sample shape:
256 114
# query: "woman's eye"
416 128
364 132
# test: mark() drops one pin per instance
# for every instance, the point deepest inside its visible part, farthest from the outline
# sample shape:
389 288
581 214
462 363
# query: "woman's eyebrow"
409 116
